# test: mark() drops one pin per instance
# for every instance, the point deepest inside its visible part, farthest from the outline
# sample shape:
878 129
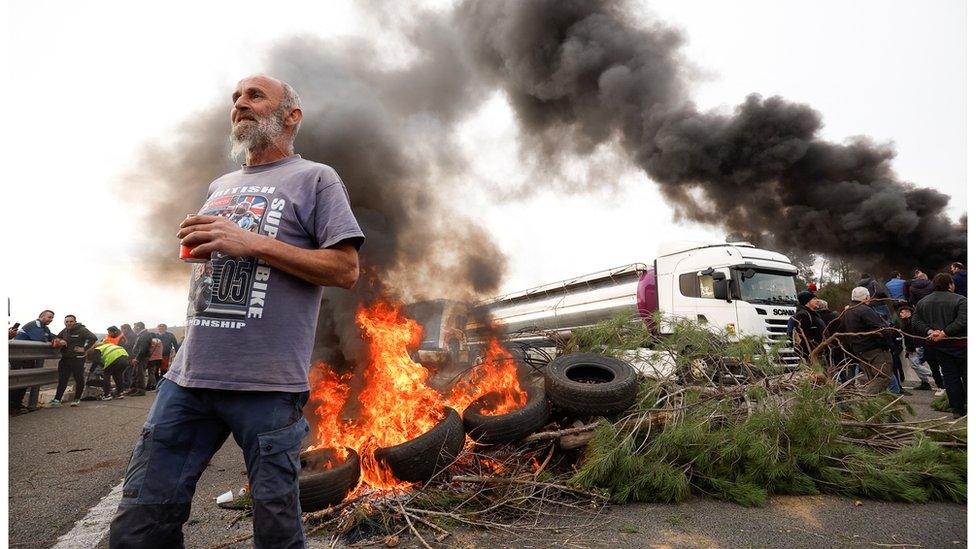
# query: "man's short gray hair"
860 294
290 100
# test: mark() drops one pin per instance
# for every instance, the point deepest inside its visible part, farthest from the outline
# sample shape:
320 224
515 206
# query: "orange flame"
396 403
497 373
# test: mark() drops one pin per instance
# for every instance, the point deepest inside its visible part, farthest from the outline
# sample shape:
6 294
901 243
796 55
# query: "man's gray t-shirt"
250 327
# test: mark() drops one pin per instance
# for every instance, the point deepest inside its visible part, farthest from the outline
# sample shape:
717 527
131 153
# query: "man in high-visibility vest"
113 359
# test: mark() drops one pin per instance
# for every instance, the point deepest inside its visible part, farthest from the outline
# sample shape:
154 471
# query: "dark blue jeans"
184 429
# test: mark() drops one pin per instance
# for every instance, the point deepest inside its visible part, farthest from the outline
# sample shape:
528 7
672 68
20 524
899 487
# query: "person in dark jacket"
958 271
75 342
912 345
873 349
809 329
139 359
35 330
941 317
919 287
128 338
896 286
879 295
834 354
127 342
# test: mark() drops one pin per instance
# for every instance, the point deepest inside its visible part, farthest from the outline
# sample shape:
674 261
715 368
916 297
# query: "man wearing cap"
874 348
243 366
808 329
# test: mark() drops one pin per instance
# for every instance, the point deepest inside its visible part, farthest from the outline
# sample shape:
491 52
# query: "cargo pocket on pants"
279 464
135 472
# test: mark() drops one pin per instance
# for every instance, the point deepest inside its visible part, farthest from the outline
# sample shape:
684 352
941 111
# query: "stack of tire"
577 384
416 460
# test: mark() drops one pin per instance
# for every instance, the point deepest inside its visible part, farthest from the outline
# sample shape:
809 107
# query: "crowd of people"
132 358
886 328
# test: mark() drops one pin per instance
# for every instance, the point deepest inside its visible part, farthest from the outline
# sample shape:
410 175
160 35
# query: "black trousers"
71 367
933 366
953 367
113 372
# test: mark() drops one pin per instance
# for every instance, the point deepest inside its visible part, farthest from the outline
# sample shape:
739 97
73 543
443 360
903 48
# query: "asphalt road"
64 461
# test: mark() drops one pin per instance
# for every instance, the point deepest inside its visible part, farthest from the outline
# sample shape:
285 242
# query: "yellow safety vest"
110 353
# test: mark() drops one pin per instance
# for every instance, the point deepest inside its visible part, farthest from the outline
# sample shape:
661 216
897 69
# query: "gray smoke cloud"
581 76
582 72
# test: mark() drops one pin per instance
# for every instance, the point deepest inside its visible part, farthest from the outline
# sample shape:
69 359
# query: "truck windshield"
766 287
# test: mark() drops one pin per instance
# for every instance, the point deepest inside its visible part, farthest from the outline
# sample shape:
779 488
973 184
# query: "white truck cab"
735 287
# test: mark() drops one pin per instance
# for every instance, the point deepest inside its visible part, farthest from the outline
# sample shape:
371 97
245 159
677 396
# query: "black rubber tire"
591 384
419 459
508 427
324 487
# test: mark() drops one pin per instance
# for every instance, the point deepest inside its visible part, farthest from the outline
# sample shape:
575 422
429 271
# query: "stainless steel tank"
566 305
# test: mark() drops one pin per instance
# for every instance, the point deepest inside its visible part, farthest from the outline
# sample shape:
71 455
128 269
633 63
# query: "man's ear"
293 117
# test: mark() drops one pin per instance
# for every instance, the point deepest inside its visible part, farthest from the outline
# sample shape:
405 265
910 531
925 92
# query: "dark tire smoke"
578 74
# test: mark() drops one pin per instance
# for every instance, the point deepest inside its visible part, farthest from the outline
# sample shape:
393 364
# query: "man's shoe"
106 397
75 403
138 393
923 386
54 404
905 392
938 393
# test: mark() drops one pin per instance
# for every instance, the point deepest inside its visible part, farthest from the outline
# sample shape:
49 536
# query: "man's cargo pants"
184 429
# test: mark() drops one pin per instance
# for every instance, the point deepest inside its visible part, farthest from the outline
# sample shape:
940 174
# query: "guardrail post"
31 351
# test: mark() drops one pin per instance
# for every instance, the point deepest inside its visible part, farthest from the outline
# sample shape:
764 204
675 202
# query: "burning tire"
319 487
419 459
591 384
506 427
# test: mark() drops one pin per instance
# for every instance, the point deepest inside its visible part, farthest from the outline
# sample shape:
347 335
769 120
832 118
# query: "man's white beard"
253 136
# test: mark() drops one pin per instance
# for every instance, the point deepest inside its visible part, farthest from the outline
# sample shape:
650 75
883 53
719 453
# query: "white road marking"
90 530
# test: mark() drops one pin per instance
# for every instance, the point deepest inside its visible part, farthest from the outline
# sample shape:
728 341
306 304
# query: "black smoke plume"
583 73
579 75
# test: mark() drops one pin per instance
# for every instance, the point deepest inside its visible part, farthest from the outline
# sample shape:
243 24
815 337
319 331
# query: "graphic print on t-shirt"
222 287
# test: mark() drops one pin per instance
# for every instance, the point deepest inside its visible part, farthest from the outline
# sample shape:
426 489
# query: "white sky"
91 83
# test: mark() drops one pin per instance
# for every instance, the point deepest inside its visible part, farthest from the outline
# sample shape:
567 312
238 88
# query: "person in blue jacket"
896 286
35 330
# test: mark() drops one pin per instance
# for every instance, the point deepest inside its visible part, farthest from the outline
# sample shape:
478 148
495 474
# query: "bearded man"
243 366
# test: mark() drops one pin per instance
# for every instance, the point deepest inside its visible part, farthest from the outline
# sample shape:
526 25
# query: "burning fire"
396 404
498 373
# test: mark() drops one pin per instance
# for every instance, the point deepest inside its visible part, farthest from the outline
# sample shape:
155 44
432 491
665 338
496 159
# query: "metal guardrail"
32 378
27 350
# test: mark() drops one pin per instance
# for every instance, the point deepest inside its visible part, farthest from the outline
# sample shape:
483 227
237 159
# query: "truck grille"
776 333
